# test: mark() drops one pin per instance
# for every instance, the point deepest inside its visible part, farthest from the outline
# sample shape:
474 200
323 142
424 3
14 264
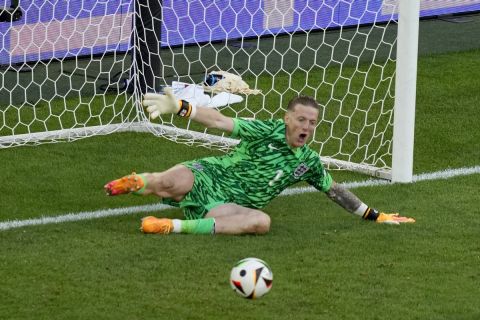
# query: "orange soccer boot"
155 225
133 183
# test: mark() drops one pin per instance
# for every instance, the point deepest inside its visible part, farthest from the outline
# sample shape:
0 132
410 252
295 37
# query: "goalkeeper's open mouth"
298 139
302 138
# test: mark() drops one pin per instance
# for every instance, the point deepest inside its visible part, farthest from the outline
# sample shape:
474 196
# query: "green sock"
141 190
198 226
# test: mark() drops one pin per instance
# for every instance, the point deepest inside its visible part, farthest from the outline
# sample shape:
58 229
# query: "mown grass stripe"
87 215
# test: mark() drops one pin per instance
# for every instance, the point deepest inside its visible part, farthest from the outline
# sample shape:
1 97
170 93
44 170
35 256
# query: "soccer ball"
251 278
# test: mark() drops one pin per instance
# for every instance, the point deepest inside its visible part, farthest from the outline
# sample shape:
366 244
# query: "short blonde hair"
303 100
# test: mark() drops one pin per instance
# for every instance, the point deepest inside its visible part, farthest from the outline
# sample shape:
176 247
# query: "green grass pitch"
326 263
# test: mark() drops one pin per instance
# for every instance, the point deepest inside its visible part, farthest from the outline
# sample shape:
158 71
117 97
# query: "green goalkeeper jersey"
262 165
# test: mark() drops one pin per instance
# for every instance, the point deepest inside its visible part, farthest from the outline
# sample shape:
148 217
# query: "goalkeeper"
225 194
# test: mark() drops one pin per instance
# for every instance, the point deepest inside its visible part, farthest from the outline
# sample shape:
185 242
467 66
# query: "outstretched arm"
212 118
353 204
158 104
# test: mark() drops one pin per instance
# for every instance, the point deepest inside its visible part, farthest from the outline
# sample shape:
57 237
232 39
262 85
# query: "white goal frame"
405 91
403 124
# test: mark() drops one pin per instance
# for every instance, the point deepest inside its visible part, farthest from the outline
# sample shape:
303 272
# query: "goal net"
70 70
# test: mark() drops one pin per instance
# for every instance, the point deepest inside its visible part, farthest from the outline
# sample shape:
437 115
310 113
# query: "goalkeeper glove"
158 104
393 218
222 81
386 218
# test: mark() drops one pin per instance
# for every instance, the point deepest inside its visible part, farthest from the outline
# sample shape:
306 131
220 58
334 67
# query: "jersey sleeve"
319 178
252 129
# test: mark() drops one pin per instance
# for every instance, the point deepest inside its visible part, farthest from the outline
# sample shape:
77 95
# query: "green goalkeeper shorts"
207 191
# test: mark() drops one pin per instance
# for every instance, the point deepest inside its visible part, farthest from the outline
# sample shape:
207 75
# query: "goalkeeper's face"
301 122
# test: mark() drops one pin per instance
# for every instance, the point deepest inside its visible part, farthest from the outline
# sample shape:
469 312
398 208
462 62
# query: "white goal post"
405 91
71 70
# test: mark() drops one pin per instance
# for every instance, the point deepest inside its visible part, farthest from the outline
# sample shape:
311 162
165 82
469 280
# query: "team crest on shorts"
300 170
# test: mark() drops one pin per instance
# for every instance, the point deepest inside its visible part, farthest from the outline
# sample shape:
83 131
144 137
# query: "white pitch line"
446 174
87 215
